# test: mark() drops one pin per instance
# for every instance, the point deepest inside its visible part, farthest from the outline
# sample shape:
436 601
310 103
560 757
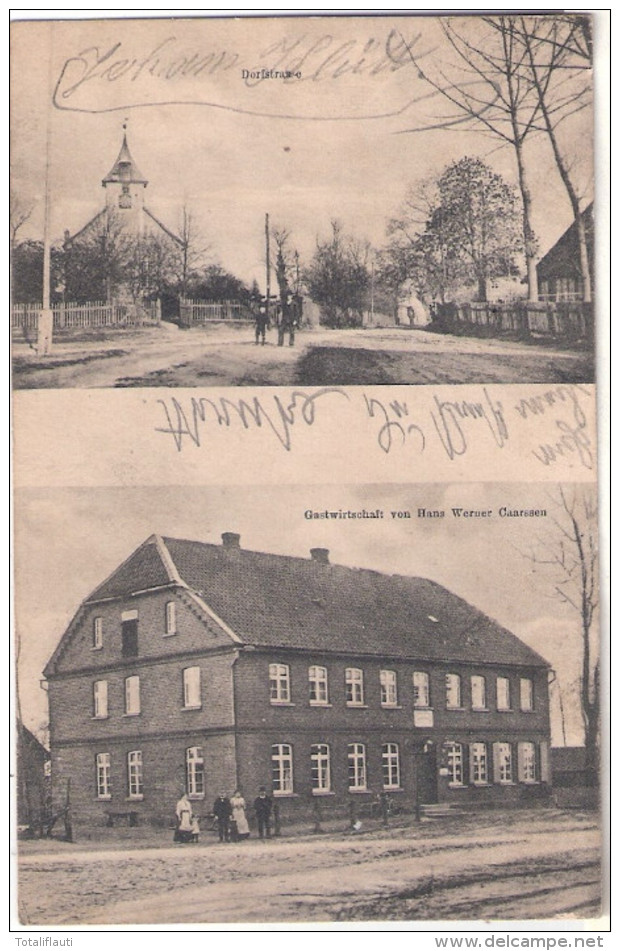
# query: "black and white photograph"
329 704
308 369
304 200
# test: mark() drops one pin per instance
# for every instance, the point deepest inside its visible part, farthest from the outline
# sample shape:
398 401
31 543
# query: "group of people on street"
286 315
230 815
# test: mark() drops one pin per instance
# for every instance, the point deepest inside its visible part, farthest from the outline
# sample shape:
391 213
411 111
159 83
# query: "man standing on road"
288 321
222 810
262 808
261 321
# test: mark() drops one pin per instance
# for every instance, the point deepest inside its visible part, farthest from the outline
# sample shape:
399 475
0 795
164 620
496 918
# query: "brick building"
210 667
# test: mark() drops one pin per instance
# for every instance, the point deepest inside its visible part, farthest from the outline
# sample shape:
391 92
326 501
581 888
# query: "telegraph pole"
45 323
267 263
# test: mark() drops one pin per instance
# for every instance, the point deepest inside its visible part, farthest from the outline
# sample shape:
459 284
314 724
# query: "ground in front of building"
497 865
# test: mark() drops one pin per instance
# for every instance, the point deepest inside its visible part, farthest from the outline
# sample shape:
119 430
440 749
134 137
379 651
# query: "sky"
69 540
336 144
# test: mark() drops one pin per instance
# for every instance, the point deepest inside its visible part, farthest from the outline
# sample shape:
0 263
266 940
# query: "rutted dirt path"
228 356
525 869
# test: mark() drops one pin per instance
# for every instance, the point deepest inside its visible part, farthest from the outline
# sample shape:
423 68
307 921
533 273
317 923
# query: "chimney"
320 554
231 540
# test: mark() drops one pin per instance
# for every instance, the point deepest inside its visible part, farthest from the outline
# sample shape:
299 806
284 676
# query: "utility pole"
45 323
267 264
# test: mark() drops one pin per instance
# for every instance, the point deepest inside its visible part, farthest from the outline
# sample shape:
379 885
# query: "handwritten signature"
452 424
277 415
156 77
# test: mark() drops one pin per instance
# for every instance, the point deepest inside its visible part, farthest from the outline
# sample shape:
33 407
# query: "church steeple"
125 171
124 185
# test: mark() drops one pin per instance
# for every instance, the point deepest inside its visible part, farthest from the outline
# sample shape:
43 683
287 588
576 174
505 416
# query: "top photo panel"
312 200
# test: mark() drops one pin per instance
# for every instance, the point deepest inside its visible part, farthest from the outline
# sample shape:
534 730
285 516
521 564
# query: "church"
124 251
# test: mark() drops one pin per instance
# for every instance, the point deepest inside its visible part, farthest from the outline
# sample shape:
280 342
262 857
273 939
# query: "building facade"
207 667
559 271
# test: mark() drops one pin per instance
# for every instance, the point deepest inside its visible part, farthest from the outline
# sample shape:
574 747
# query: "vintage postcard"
308 610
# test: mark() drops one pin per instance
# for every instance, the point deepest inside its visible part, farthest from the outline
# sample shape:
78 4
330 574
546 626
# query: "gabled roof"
125 169
284 602
562 259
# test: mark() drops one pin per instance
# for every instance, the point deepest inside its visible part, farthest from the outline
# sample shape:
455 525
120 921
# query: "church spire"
125 171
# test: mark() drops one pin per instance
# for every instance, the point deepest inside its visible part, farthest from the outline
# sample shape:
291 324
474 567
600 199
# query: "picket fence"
70 316
570 320
196 312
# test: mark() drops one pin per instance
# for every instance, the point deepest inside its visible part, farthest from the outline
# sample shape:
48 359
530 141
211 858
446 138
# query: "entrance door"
425 775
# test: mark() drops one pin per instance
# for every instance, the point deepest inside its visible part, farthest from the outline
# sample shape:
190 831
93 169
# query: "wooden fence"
69 316
193 313
568 320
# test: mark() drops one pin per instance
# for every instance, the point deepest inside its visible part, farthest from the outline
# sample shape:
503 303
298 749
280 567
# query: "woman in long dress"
241 827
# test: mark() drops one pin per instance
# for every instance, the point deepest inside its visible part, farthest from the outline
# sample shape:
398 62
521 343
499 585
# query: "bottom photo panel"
308 704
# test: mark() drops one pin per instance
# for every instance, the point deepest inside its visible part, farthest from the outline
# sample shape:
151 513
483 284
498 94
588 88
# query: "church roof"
125 169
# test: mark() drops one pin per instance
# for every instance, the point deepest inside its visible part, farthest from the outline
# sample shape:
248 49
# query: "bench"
130 817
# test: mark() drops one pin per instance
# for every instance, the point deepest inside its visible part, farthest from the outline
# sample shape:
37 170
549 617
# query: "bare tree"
493 91
570 557
559 58
193 249
19 213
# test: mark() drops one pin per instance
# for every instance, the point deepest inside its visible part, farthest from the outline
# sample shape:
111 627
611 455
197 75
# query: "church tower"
124 186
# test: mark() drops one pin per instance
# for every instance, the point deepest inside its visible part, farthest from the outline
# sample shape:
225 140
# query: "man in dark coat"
262 808
261 320
222 811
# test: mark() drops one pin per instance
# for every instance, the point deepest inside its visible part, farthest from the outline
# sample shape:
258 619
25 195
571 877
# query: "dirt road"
227 356
526 867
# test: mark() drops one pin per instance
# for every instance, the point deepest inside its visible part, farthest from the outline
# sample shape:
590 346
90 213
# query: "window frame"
170 619
103 776
192 688
481 689
101 708
354 686
504 769
356 758
390 765
132 683
135 775
421 684
507 706
320 769
479 764
130 634
282 777
195 772
527 766
528 706
97 644
455 762
317 684
279 684
388 686
454 691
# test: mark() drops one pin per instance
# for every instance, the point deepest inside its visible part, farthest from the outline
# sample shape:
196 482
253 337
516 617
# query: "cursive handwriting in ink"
187 421
451 415
573 439
390 425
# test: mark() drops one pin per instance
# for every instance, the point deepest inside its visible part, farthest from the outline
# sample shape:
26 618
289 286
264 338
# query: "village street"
533 864
227 356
